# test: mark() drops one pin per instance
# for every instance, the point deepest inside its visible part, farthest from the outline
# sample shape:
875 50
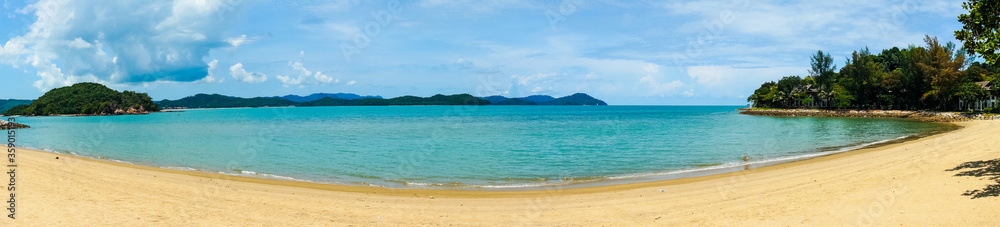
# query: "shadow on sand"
989 169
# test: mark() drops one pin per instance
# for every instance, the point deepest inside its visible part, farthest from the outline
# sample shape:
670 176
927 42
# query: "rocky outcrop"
5 125
928 116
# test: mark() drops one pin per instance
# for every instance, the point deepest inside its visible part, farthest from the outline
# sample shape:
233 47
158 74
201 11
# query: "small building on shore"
979 105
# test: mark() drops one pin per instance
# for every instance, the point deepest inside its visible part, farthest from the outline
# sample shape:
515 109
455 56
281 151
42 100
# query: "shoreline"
576 182
905 182
926 116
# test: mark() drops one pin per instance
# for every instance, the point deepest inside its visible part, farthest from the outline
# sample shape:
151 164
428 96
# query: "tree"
942 70
979 31
792 90
822 69
760 96
862 77
841 97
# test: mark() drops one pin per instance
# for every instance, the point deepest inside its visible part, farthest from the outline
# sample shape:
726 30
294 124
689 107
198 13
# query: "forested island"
222 101
86 99
11 103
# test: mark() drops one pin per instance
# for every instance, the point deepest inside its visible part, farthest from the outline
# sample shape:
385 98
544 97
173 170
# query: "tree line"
86 99
934 76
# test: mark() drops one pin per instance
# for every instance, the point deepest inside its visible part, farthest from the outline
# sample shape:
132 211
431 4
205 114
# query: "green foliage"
942 71
85 98
971 91
980 28
822 69
11 103
842 98
934 76
222 101
576 99
862 77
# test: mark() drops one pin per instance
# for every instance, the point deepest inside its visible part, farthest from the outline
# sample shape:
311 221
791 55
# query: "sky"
708 52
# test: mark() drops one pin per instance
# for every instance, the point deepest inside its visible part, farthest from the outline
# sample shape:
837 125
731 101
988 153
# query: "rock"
928 116
5 125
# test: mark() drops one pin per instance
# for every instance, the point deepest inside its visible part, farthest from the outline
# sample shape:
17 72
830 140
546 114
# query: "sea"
462 147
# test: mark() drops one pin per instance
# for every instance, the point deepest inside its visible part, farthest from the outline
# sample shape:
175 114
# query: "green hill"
86 99
11 103
222 101
577 99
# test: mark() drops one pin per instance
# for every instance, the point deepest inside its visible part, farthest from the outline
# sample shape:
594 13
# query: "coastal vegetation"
980 28
86 99
578 99
929 77
11 103
934 76
222 101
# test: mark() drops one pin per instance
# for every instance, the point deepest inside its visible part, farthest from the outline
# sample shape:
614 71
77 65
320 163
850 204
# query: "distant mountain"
11 103
222 101
516 102
577 99
538 98
461 99
495 99
318 96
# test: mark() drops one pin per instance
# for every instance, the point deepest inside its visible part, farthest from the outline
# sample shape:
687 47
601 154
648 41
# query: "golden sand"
901 184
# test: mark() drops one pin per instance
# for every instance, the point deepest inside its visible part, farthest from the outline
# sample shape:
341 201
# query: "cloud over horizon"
121 42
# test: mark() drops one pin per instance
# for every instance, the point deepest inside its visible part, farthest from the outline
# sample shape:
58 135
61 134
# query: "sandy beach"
904 184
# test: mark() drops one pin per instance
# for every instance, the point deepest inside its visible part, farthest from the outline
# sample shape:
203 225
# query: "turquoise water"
456 146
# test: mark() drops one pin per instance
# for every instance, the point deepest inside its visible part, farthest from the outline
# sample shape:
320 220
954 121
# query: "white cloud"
236 42
241 74
211 78
533 79
349 83
305 76
661 89
729 81
78 43
158 40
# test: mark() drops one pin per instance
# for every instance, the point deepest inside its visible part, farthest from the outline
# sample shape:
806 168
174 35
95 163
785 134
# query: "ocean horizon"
461 147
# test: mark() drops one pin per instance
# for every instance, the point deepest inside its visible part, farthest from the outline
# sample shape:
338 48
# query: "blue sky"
624 52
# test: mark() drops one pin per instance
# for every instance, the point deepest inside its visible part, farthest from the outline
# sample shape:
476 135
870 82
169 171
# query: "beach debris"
432 197
661 190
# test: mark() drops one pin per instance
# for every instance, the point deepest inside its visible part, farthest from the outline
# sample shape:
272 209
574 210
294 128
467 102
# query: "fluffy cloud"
304 76
729 81
211 78
236 42
241 74
120 41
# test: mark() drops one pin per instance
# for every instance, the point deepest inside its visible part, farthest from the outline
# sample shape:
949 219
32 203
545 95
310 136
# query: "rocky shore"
928 116
5 125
